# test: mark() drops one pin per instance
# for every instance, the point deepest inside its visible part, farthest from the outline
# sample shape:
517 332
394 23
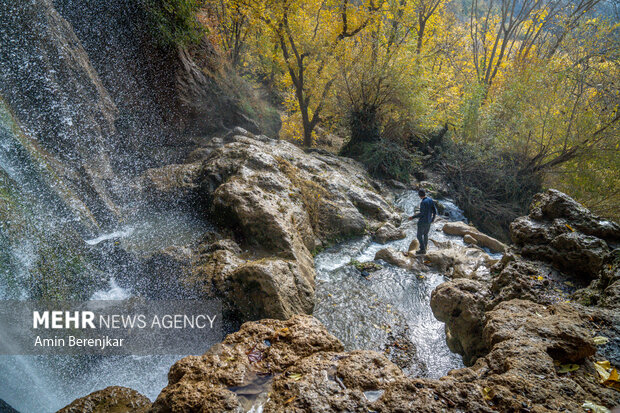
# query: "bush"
174 22
388 160
492 187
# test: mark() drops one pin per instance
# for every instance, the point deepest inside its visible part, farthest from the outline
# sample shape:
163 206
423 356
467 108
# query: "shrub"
386 159
174 22
491 186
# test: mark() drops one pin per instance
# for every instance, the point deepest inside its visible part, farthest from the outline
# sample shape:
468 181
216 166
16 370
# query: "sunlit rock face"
281 203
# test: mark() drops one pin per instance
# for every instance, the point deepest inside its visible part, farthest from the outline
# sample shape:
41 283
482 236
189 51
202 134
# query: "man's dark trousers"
423 229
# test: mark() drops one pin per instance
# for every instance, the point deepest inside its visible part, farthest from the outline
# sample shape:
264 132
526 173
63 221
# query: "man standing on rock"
426 216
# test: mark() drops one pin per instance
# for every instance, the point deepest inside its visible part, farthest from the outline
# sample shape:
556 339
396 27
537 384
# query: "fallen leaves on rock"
600 340
608 374
487 393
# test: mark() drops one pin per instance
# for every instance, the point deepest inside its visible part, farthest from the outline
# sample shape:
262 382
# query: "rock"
296 365
208 383
388 232
326 382
110 399
519 278
461 304
468 239
457 261
176 183
284 202
564 233
280 288
486 241
561 330
399 259
553 204
457 228
462 229
414 245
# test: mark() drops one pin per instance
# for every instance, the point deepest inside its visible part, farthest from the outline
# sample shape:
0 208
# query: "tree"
513 27
311 36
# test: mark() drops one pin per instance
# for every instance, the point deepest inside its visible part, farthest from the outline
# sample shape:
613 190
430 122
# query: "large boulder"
461 304
561 231
388 232
219 380
110 399
282 203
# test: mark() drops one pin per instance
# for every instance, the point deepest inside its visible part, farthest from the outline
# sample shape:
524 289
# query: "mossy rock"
368 266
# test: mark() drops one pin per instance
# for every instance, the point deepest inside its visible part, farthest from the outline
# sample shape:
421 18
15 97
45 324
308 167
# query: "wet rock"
398 258
462 229
468 239
388 232
280 288
110 399
282 202
175 183
458 262
266 348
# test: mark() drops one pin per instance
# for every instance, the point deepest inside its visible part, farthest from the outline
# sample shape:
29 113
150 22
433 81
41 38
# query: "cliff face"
56 97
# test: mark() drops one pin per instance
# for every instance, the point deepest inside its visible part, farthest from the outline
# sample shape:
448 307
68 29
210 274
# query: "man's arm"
418 215
434 211
421 213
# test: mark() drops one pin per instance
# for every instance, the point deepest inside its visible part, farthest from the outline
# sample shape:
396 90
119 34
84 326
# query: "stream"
389 309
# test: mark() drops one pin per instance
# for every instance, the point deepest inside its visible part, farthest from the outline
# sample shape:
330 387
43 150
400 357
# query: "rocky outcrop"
461 304
217 380
282 203
388 232
564 233
296 365
110 399
472 236
466 304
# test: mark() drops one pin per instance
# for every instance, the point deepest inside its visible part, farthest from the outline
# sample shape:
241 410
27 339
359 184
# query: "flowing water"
390 309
